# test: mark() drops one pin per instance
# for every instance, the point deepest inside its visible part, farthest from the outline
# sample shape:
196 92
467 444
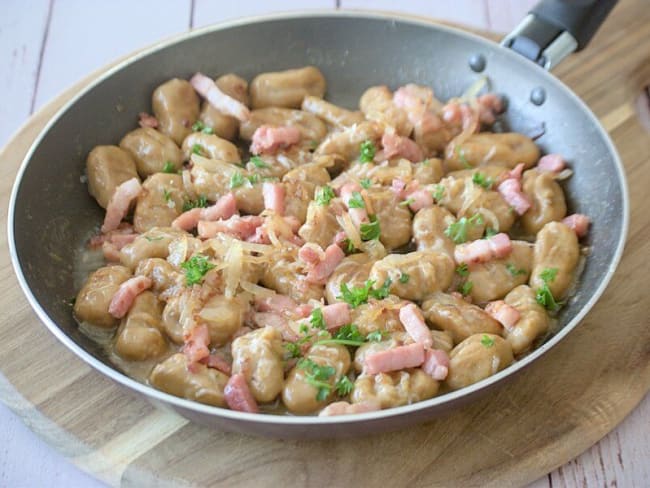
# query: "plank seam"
41 55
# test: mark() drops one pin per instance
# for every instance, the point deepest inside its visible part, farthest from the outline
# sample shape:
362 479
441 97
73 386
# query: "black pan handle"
555 28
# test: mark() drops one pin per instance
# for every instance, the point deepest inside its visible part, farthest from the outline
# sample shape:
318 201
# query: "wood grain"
531 426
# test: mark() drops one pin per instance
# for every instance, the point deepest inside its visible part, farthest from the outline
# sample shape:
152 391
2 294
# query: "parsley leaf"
367 151
348 335
544 296
316 319
317 375
376 336
293 348
490 232
343 386
514 271
198 149
236 180
169 167
152 239
324 195
258 162
460 152
481 180
198 126
383 292
404 278
457 231
195 269
349 246
407 202
356 201
366 183
200 202
548 275
167 195
254 178
487 341
462 270
439 193
357 295
465 288
370 230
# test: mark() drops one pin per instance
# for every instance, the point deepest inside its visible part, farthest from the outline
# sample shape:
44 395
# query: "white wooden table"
47 45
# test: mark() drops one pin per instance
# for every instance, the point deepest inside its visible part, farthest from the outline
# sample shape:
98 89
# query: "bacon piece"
209 90
420 199
196 344
436 364
517 172
238 395
273 197
345 408
126 294
187 220
395 359
579 223
115 236
277 321
311 254
483 250
216 361
413 322
275 303
239 227
119 204
451 113
268 139
146 120
395 145
510 190
326 266
503 313
336 315
489 105
224 208
553 163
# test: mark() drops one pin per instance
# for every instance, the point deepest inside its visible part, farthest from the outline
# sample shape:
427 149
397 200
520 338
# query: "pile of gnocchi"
265 250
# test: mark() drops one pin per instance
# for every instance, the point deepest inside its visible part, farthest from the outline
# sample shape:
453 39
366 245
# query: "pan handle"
555 28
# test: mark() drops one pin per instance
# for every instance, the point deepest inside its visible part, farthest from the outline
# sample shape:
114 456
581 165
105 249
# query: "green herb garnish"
465 288
199 126
457 231
356 201
169 167
343 386
197 149
407 202
383 291
317 375
460 152
514 271
258 162
490 232
316 319
404 278
367 151
358 295
324 195
348 335
366 183
462 270
439 193
481 180
200 202
195 269
153 239
487 341
167 195
236 180
370 230
376 336
544 296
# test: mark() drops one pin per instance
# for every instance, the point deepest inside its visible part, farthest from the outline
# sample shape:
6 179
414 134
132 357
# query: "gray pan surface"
51 213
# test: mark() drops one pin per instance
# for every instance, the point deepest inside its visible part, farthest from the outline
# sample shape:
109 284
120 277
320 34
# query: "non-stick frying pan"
51 213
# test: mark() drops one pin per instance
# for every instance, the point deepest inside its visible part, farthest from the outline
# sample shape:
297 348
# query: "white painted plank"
208 11
468 12
86 35
504 15
21 39
26 461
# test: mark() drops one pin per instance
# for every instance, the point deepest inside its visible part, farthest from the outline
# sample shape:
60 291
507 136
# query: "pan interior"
54 215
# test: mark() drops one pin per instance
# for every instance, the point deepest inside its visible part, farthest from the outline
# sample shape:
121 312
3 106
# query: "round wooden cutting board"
556 409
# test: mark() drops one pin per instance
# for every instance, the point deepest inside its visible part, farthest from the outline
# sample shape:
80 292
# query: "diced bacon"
269 140
225 208
429 123
121 240
420 199
516 173
146 120
238 396
197 342
451 113
345 408
398 186
413 322
483 250
436 364
503 313
277 321
358 215
336 315
275 303
311 254
579 223
117 238
510 190
303 310
209 90
126 294
216 361
273 197
340 239
553 163
187 220
395 359
395 145
119 204
325 267
240 227
489 105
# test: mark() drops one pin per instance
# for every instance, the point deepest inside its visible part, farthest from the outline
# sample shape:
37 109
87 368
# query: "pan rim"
313 421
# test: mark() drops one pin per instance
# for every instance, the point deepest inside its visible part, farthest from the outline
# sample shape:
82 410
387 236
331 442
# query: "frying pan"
51 213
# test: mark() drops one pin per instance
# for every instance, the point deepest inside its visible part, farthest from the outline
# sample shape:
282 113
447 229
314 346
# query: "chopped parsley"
457 231
200 202
366 183
370 230
356 201
404 278
324 195
293 348
460 152
358 295
254 178
343 386
490 232
407 202
198 149
195 269
514 271
481 180
439 193
236 180
462 270
348 335
258 162
487 341
153 239
544 296
317 376
465 288
349 246
167 195
367 151
376 336
316 319
199 126
383 291
169 167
